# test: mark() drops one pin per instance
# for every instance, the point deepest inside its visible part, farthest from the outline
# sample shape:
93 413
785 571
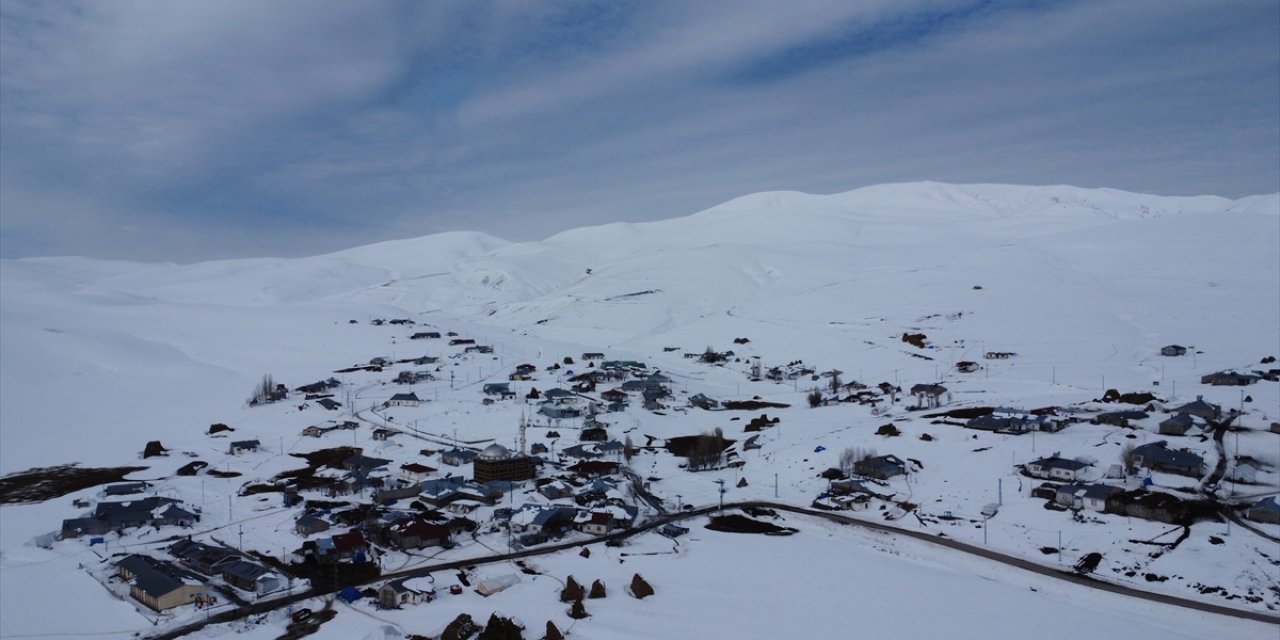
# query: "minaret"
522 430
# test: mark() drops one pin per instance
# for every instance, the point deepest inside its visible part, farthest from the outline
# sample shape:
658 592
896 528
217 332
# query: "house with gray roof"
410 399
1229 379
308 524
116 516
1265 510
251 577
1177 425
1158 456
1201 409
1055 468
881 467
458 457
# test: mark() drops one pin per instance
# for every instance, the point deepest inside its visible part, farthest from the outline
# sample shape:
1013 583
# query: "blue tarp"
819 449
350 594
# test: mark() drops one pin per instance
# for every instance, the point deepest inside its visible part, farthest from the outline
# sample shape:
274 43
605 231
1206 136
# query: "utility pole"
722 490
775 485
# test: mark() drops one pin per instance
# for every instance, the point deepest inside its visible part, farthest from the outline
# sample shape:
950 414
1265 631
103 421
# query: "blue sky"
185 131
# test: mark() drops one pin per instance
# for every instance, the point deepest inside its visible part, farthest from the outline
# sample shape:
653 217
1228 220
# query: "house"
313 431
1201 409
458 457
929 395
405 591
594 468
555 490
201 557
361 464
457 341
329 404
384 434
414 472
1158 456
319 387
592 356
1055 468
604 520
967 366
161 585
614 395
413 377
1173 350
1083 495
598 490
498 389
880 467
125 488
1120 418
441 491
381 361
425 335
1228 379
403 400
417 534
672 530
251 577
116 516
1177 425
308 524
1264 510
349 547
173 515
560 411
1095 496
541 519
243 446
701 401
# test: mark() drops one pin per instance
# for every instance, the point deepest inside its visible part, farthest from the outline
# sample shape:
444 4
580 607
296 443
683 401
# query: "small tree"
814 398
628 449
835 383
597 590
578 611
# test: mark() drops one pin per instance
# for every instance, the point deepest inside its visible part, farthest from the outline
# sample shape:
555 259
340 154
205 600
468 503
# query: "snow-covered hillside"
1084 285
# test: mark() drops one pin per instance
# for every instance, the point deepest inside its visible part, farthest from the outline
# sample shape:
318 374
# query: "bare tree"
1128 459
848 458
835 383
263 390
707 452
628 449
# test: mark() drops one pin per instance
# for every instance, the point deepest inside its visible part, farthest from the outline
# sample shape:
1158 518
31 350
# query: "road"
983 552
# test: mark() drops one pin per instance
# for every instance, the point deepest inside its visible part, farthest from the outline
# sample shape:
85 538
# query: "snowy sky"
195 130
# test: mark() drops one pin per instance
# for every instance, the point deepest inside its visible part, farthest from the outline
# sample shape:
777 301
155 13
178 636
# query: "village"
599 445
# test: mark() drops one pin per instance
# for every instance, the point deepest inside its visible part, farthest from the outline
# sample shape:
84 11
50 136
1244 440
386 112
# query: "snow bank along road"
1027 565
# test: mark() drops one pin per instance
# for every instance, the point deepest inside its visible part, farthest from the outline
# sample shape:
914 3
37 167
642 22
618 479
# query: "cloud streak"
196 130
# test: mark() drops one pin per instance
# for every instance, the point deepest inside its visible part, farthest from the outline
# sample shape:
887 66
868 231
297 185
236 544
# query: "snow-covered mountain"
1096 277
1084 285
